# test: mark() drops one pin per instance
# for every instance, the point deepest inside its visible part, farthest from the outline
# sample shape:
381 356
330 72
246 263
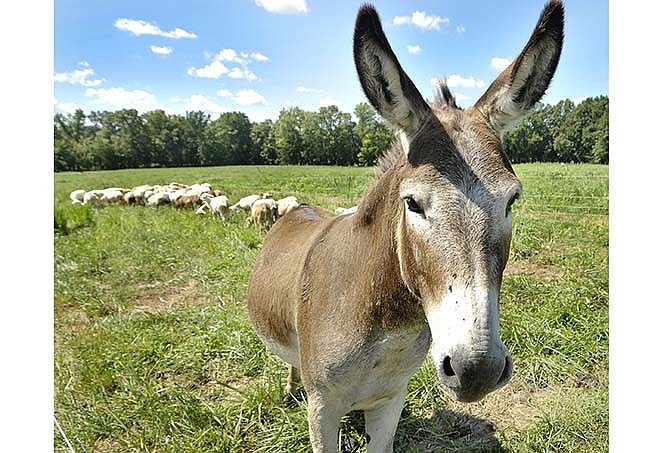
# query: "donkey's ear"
384 82
518 88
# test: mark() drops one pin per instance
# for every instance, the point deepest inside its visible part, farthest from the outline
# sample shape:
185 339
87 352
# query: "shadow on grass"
444 431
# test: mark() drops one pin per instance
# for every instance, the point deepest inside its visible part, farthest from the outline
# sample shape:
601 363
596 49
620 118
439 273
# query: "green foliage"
374 136
68 218
124 139
563 133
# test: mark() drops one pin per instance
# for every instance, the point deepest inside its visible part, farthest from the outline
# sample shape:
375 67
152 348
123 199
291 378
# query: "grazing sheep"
244 203
198 189
202 209
286 205
188 201
77 196
175 194
95 198
263 215
129 197
346 211
217 205
158 199
114 194
138 193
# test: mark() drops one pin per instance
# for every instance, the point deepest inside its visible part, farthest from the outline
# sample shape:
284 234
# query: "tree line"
126 139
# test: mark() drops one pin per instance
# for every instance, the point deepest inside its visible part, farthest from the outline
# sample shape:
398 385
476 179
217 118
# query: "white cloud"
328 100
141 27
414 50
244 97
302 89
242 58
461 97
211 71
65 107
119 98
161 50
456 80
258 56
283 6
229 55
237 73
421 20
199 102
78 76
460 29
499 63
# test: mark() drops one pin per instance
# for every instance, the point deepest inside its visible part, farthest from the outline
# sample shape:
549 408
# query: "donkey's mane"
387 160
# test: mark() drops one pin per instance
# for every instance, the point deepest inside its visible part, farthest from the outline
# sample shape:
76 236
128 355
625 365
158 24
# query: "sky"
260 56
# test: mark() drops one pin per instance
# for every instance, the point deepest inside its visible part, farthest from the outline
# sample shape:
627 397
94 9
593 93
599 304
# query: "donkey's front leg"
323 417
381 423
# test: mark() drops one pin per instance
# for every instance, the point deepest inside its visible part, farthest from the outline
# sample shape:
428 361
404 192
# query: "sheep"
286 205
95 198
174 195
217 205
346 211
263 215
157 199
202 209
198 189
113 194
188 201
77 196
138 193
129 197
244 203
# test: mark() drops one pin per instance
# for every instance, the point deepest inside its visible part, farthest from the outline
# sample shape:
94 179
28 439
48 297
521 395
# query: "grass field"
154 350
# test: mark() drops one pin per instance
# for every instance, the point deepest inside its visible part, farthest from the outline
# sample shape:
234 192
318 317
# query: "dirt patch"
528 268
508 409
186 293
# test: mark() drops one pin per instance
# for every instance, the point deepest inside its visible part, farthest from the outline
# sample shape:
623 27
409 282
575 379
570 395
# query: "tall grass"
154 350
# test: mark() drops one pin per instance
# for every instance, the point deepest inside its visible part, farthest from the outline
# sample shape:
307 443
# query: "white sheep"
244 203
95 197
77 196
157 199
286 205
217 205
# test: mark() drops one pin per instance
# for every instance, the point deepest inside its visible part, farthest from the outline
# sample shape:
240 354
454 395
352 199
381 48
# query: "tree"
373 135
263 143
287 135
227 140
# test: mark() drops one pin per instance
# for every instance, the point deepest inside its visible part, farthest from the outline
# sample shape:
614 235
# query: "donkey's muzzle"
470 376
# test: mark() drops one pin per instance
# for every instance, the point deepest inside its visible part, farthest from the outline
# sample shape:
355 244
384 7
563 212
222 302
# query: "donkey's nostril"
448 370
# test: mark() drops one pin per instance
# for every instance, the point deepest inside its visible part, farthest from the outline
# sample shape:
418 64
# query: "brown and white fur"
353 302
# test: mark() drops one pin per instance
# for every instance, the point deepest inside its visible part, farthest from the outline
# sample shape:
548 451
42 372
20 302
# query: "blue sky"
259 56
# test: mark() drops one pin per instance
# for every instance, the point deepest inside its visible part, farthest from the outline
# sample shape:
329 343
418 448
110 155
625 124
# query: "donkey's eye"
413 206
510 203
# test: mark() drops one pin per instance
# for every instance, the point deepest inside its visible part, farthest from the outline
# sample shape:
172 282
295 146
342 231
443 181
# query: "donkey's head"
455 191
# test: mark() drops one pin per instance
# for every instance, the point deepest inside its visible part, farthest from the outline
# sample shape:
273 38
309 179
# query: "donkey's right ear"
384 82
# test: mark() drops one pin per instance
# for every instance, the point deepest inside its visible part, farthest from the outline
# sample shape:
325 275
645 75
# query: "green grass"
154 350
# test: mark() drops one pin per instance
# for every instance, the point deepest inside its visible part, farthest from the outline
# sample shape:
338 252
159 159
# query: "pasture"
154 350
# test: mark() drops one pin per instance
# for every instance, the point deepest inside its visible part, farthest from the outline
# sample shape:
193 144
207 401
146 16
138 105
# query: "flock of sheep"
263 209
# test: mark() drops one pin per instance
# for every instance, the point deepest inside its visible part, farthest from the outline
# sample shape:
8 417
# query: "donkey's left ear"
387 87
519 87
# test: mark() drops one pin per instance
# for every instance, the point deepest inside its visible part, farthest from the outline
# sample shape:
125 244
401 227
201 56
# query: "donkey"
354 302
